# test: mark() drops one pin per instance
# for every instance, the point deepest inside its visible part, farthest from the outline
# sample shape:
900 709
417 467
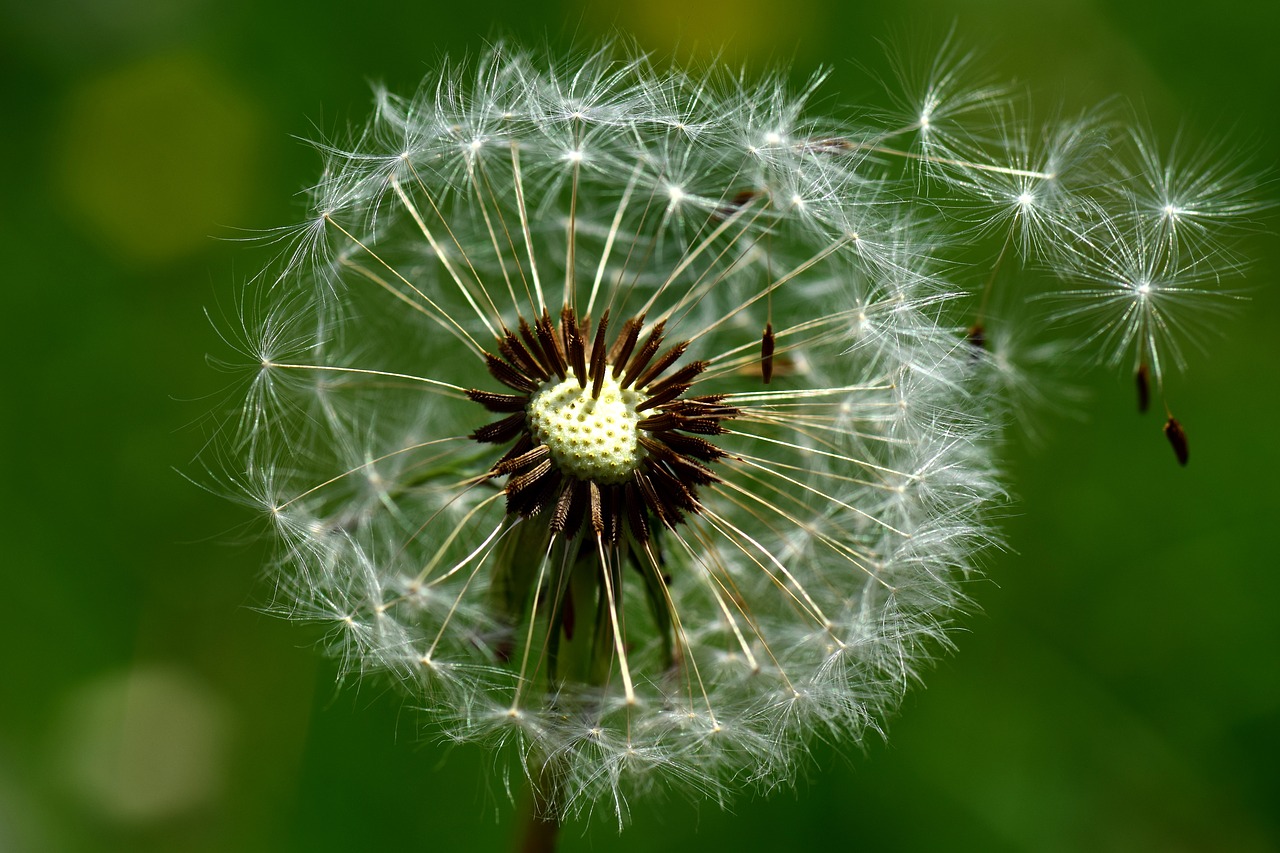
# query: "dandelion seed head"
623 418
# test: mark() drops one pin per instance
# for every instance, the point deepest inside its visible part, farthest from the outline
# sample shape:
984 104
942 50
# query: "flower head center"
603 433
588 437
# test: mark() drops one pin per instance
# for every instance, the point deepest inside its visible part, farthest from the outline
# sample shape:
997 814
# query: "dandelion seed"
1193 203
1142 378
767 344
977 338
1140 303
1177 437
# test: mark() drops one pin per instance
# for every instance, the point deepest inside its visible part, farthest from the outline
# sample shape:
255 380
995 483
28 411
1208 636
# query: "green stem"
541 828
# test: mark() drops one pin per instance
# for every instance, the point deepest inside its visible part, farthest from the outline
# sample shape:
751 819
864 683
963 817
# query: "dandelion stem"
541 830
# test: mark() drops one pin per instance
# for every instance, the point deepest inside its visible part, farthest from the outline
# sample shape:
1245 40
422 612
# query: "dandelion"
1140 303
624 418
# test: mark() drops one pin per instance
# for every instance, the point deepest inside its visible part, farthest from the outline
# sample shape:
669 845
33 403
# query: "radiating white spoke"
426 299
524 226
620 646
613 233
441 255
368 463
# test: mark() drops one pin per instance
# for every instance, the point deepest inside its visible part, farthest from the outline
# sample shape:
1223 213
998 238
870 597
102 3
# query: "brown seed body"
1177 439
1143 380
766 353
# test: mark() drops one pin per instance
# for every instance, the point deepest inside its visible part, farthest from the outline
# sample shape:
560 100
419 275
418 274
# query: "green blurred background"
1120 690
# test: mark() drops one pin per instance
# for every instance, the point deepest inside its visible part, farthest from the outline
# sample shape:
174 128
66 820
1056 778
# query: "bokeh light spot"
716 28
158 157
144 744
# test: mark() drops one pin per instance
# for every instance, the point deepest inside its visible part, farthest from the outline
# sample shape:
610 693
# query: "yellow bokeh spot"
143 745
730 29
158 157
